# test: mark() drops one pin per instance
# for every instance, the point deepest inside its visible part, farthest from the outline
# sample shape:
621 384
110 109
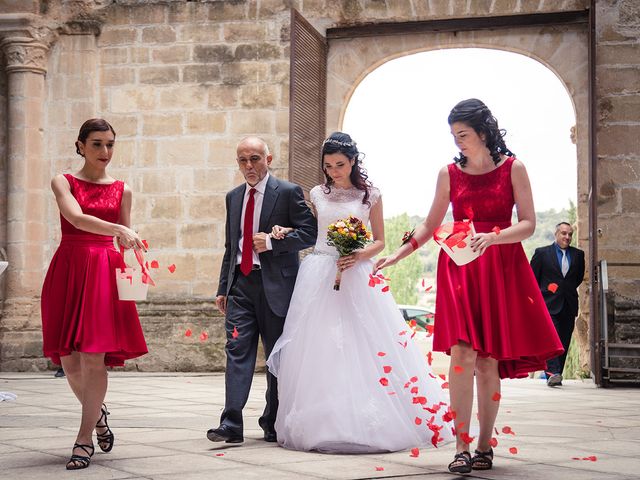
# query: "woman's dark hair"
476 114
339 142
92 125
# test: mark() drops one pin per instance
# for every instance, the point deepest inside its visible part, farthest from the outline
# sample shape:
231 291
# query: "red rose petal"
418 421
429 358
386 369
415 452
155 264
171 268
496 430
372 282
507 429
403 332
466 438
552 287
493 442
219 454
381 354
404 345
188 332
234 334
530 299
413 379
496 229
379 469
513 450
414 390
146 245
442 376
445 385
458 369
423 283
428 288
496 396
429 330
384 381
204 336
420 400
385 288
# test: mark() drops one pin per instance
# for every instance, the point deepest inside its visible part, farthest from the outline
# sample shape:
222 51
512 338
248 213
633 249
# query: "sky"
398 117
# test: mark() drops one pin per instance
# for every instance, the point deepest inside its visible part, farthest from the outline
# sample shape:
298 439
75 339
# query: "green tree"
405 274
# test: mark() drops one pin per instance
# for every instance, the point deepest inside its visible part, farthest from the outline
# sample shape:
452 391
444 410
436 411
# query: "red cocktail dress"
493 303
81 310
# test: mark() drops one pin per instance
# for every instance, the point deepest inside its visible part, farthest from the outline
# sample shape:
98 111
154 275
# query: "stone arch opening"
563 49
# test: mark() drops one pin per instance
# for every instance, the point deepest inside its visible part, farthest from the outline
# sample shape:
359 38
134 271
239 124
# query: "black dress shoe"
270 437
224 433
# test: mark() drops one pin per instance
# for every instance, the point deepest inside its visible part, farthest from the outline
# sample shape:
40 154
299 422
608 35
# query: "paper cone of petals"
455 239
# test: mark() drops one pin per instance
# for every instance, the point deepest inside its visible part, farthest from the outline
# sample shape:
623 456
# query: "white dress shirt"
258 197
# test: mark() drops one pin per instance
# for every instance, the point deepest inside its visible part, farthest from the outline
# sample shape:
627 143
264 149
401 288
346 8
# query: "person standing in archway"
559 270
490 316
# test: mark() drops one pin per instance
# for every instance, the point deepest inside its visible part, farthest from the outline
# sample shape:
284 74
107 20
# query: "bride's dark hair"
476 114
339 142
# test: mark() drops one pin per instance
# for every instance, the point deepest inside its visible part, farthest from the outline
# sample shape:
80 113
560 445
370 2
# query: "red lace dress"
493 303
80 306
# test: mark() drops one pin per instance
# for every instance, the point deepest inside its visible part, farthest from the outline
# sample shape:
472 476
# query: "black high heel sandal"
78 462
461 463
106 437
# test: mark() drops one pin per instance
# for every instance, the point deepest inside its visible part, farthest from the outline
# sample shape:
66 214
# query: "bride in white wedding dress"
350 379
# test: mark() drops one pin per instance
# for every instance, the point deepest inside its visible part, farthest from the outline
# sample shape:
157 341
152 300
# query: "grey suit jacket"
283 205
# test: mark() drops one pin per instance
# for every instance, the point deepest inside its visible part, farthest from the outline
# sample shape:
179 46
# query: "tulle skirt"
81 310
350 378
495 305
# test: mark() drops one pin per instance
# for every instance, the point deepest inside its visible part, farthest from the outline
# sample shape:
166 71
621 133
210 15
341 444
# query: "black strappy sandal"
78 462
482 460
461 463
106 437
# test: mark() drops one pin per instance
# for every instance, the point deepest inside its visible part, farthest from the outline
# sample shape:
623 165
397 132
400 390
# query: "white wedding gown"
330 360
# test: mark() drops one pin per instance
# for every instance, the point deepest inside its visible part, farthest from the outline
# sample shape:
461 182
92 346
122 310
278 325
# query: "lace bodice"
339 203
98 199
484 198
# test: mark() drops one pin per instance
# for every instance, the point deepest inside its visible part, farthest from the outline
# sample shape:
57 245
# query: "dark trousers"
564 322
249 312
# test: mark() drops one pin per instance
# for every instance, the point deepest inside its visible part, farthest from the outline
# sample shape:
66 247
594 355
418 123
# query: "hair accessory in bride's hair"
338 142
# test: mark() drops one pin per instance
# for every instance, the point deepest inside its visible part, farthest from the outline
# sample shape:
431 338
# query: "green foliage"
572 367
405 274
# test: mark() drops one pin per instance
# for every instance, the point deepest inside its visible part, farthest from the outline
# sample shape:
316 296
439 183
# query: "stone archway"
562 49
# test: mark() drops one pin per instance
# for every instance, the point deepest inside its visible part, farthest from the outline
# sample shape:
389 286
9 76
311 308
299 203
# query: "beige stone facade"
182 81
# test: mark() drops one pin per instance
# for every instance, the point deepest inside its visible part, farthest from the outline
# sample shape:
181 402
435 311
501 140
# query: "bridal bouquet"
347 235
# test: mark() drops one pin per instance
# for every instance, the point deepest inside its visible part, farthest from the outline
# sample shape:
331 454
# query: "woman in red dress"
85 326
490 315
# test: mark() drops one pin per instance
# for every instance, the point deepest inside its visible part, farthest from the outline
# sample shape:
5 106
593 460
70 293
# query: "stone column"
27 192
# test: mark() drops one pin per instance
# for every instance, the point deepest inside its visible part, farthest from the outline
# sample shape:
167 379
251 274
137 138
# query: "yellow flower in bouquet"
347 235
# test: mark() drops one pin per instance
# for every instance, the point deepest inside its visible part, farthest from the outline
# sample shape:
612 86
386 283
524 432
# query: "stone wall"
618 139
182 82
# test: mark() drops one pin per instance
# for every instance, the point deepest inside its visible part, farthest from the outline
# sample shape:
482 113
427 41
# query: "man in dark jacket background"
559 269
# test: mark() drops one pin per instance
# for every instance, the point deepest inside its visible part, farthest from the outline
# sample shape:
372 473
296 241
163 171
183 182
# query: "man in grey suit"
257 277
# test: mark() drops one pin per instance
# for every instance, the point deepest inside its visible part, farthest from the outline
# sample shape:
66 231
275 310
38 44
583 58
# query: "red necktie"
246 264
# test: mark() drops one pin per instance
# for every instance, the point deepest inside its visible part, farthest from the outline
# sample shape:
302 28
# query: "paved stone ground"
160 422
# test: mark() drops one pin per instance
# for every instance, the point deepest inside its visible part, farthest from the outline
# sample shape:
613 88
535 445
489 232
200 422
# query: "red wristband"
414 243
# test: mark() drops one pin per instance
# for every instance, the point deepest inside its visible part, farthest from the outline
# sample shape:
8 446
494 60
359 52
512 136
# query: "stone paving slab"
160 422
